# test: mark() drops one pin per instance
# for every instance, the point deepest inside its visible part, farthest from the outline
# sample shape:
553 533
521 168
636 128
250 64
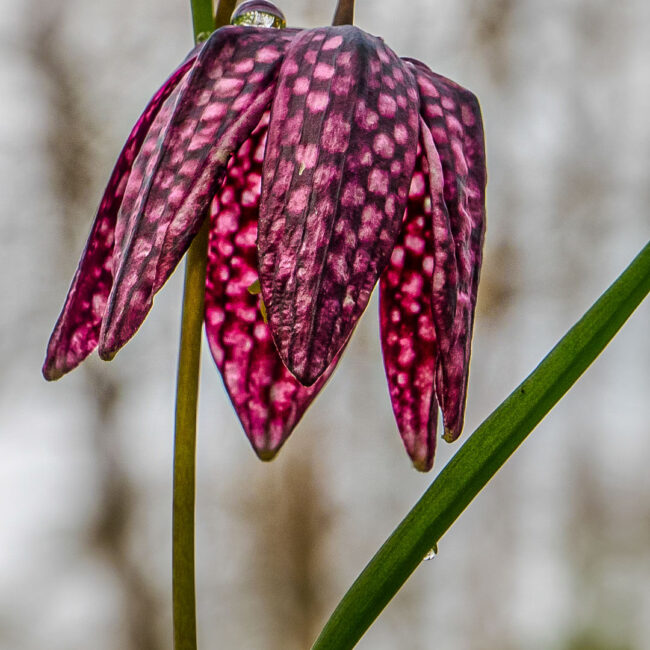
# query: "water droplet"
432 553
203 36
258 13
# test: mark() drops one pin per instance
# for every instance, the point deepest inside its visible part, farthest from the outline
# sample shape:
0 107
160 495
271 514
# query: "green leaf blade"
482 455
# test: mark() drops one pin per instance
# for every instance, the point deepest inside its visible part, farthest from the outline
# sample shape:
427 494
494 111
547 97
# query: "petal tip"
51 372
422 464
307 373
107 354
307 377
266 455
450 435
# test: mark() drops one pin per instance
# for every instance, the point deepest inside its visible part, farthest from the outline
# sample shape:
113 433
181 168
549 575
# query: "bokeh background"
555 553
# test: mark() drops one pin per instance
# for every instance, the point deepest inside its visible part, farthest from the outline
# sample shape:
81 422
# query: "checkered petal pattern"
324 162
408 333
340 155
229 88
76 332
454 137
266 396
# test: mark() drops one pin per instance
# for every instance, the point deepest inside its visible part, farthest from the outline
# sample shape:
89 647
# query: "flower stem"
224 11
187 390
203 22
344 14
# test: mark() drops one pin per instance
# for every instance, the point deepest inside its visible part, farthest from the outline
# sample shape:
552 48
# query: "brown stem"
344 14
224 11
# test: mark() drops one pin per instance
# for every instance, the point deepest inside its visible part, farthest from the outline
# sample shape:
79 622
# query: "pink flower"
324 163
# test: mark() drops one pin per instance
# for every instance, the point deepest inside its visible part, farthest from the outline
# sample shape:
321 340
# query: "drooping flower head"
324 163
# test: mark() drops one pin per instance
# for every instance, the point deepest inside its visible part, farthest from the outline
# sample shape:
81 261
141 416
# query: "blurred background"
555 553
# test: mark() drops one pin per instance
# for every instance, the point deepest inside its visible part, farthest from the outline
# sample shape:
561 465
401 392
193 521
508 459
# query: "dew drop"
258 13
432 553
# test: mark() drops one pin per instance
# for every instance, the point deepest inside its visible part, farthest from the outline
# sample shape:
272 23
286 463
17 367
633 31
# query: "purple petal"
340 155
453 117
408 334
267 398
76 332
445 272
230 86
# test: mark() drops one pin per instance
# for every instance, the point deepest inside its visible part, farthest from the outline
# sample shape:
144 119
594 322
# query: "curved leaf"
485 451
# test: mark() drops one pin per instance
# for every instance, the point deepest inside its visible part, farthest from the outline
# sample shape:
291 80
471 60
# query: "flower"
324 163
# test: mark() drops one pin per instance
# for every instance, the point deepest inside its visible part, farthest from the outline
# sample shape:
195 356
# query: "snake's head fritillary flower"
324 163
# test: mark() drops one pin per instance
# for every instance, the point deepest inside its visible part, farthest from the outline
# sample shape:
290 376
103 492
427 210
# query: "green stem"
203 22
187 391
485 451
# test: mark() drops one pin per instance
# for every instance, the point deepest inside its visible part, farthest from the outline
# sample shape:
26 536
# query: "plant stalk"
344 14
187 390
482 455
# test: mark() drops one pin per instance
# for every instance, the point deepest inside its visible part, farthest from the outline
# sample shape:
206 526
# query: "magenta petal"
230 86
76 332
453 118
340 155
267 398
408 334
